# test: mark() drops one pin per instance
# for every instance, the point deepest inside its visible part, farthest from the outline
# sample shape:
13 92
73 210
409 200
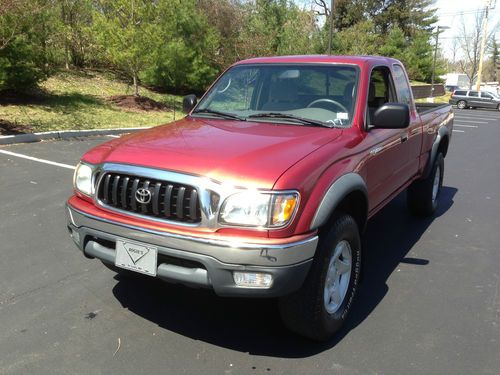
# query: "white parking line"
477 122
466 126
113 136
37 159
458 131
477 117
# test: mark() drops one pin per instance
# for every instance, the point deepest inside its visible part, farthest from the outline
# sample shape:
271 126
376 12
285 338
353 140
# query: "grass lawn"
78 100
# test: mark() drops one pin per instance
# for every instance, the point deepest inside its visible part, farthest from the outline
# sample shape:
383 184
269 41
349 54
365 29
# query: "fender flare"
337 191
442 132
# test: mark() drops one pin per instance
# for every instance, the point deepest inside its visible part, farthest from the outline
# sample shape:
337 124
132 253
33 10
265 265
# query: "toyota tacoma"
265 187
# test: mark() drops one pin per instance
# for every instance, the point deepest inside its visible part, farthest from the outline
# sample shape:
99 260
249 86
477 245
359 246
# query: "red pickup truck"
265 187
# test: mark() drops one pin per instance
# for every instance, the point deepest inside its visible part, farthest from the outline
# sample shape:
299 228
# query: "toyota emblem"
143 196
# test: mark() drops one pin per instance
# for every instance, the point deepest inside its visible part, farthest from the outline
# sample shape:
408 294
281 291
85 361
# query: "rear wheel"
461 104
320 307
423 195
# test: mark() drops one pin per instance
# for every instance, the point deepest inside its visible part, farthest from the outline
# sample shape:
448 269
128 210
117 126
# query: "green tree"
276 27
297 33
182 58
227 18
359 39
23 44
411 16
128 32
394 44
418 58
75 30
350 12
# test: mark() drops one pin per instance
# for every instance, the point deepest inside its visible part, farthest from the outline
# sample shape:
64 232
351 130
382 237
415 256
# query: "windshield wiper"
286 116
219 113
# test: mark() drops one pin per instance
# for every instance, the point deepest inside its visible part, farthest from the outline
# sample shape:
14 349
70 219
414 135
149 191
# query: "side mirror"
392 116
189 102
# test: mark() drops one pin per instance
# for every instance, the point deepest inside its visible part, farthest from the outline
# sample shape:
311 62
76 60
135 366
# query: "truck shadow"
254 326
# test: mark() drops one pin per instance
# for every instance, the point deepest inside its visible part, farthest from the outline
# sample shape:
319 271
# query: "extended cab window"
401 84
325 94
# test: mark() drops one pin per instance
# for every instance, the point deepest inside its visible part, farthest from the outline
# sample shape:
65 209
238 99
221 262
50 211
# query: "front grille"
169 200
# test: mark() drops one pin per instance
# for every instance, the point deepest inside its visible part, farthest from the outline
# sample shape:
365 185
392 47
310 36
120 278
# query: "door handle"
404 137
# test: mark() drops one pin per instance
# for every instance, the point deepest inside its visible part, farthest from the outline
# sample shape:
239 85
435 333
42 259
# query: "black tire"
304 311
498 107
419 196
461 104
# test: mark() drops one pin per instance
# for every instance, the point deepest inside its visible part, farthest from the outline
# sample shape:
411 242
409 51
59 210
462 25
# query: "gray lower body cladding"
197 262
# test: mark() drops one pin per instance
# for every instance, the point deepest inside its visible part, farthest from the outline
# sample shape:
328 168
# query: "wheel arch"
348 194
440 145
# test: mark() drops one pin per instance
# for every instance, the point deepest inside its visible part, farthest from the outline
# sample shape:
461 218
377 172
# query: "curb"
63 134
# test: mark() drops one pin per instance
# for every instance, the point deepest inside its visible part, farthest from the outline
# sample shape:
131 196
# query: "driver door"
388 156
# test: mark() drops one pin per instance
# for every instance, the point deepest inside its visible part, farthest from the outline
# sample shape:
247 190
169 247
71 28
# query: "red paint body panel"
226 151
280 157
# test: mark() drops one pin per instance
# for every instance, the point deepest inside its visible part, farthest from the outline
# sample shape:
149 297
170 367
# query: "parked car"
265 187
475 99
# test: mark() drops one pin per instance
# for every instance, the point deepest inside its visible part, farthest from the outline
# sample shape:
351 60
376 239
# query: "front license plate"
136 257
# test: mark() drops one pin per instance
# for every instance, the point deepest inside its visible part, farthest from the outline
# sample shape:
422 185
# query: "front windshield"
321 93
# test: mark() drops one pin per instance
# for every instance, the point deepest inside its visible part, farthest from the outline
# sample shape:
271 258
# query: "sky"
449 13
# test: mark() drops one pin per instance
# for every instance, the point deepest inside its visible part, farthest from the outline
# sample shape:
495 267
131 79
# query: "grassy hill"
82 100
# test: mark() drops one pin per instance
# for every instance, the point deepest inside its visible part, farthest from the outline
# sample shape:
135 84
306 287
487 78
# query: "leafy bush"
21 67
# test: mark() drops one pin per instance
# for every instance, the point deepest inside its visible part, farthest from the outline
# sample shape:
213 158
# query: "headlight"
259 209
82 180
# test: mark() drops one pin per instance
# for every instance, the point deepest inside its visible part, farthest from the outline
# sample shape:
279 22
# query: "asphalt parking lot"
429 302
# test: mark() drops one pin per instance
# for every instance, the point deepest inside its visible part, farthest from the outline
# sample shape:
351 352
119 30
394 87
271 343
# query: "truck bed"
428 107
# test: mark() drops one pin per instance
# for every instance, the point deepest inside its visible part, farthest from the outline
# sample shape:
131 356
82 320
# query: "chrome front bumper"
200 262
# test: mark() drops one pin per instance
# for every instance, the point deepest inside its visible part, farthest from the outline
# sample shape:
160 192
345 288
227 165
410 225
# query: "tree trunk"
66 55
136 85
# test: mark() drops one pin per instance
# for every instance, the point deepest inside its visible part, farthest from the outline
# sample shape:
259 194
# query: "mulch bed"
137 103
10 128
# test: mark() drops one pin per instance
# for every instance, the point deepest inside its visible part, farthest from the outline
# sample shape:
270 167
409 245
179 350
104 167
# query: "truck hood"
253 154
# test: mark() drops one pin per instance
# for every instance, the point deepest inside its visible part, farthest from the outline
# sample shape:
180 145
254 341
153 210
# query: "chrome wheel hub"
338 276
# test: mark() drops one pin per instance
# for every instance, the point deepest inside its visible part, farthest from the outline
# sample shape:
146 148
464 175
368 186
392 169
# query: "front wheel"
423 195
461 104
320 307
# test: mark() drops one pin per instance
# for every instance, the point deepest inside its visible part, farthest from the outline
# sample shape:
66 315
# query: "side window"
380 90
462 93
474 94
401 84
486 95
